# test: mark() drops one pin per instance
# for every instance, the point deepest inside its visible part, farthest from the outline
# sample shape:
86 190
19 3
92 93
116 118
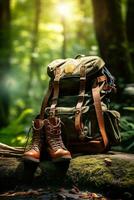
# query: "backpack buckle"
78 111
83 78
52 112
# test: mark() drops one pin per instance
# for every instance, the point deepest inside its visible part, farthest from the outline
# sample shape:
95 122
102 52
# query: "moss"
92 170
87 172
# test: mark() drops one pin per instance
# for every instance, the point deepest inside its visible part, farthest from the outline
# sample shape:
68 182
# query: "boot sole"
62 159
30 159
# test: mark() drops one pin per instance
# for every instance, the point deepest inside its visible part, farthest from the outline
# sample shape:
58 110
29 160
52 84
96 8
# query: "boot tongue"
53 120
38 123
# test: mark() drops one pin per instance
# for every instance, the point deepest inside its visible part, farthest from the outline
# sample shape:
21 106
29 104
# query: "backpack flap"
71 67
70 72
53 65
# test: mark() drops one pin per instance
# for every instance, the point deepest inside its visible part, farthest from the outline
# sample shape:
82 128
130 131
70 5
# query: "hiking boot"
33 154
55 146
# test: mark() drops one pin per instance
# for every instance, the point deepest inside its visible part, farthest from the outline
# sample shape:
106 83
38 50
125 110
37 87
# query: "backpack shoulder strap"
78 123
98 109
55 91
45 101
53 88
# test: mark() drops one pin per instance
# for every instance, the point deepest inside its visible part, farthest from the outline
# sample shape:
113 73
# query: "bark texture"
130 27
111 36
5 46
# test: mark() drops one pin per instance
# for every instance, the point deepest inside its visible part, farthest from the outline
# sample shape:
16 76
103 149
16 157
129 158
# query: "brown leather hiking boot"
55 146
33 154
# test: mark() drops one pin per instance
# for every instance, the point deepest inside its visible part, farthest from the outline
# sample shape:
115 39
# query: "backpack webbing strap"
55 91
99 114
78 123
45 101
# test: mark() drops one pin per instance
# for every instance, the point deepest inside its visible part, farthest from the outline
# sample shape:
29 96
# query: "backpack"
79 93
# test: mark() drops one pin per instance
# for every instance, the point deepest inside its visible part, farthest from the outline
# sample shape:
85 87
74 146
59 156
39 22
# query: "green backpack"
78 93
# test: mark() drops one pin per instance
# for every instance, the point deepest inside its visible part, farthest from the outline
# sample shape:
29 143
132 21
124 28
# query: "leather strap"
56 91
99 114
101 78
51 88
78 122
45 101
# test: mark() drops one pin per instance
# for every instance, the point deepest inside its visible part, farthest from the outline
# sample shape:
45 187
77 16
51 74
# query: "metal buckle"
52 113
83 78
78 111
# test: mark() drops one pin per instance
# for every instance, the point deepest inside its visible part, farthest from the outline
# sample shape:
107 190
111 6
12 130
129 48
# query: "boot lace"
34 144
54 135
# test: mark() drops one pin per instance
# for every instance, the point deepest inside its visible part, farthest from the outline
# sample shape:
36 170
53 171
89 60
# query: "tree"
34 65
5 46
110 33
130 27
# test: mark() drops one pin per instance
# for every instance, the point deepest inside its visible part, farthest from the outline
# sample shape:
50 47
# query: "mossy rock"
94 172
103 172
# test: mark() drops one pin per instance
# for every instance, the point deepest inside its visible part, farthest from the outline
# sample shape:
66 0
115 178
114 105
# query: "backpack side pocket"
112 119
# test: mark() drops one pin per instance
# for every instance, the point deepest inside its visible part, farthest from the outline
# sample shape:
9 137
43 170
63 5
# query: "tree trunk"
130 28
34 65
5 46
110 33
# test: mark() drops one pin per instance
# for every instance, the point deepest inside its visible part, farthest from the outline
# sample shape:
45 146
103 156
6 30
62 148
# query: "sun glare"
64 9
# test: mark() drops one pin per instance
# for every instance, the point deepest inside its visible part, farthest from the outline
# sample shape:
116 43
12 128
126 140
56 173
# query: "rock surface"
108 173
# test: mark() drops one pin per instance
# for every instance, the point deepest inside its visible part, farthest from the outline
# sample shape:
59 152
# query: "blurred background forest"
35 32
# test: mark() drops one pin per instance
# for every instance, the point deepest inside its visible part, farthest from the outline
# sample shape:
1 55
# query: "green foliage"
126 124
127 134
15 133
